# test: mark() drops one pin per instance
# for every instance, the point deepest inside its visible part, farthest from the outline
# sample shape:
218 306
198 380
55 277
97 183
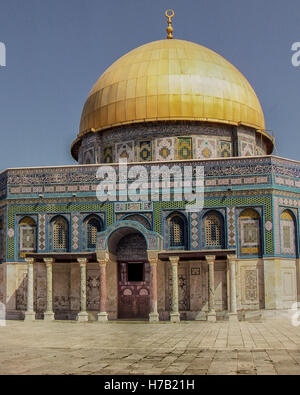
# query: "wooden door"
134 290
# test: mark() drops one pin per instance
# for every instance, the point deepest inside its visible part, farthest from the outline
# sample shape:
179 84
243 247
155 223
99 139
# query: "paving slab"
65 347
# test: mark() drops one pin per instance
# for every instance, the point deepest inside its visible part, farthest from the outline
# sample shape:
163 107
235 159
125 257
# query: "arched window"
288 233
177 231
27 236
249 232
213 230
93 225
60 234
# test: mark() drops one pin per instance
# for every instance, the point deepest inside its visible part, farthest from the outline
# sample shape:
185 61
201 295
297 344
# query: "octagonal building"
67 253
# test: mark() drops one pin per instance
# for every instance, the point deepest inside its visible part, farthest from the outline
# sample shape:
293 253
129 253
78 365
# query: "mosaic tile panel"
194 229
276 226
52 209
2 233
139 206
144 151
42 232
247 148
89 156
231 230
165 149
125 151
225 149
75 232
206 147
108 155
184 148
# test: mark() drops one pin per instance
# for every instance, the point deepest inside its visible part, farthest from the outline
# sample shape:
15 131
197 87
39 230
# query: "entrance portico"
129 280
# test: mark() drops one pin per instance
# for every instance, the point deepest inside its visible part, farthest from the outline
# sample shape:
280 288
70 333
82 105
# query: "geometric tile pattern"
194 231
125 151
87 207
144 151
89 156
42 232
185 149
75 232
165 149
2 235
206 148
225 149
247 148
231 230
276 226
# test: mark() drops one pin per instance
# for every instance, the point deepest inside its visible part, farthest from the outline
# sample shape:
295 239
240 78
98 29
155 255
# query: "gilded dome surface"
171 80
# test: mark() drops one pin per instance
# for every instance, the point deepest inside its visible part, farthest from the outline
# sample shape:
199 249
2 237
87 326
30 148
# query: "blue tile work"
231 184
201 140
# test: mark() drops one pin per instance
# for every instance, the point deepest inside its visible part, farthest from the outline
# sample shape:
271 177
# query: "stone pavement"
64 347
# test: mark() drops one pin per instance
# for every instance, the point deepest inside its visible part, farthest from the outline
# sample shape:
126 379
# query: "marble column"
211 316
102 315
49 314
30 313
174 316
231 262
83 315
153 316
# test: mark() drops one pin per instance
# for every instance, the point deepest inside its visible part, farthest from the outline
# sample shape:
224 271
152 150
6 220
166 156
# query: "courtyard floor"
64 347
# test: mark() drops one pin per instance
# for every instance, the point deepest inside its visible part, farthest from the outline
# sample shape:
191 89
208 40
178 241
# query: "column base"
175 317
233 317
102 317
212 316
49 316
29 316
153 317
82 316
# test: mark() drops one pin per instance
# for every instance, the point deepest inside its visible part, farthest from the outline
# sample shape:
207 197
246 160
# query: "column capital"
103 257
49 261
152 257
82 261
231 258
174 260
30 261
210 259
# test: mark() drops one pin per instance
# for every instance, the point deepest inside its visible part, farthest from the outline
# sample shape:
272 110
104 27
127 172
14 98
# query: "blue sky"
57 49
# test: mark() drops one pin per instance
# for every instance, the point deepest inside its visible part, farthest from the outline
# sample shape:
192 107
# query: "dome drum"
164 141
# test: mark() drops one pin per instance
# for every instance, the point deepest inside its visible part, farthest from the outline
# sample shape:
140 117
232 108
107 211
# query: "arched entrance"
130 245
133 277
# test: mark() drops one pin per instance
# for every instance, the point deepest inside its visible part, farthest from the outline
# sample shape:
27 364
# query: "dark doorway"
134 290
135 272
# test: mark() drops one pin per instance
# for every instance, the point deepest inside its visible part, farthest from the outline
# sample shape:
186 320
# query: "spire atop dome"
169 14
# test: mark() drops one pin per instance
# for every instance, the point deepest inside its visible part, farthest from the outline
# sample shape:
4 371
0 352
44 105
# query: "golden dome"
170 80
